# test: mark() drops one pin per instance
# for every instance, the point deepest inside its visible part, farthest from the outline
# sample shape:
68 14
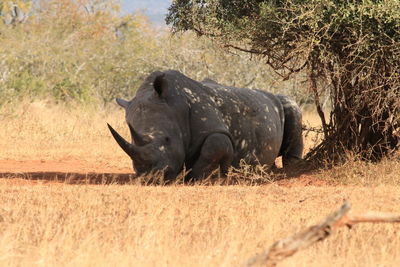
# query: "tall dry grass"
41 130
64 225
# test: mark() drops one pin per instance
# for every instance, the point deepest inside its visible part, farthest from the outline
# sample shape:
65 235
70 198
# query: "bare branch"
287 247
371 217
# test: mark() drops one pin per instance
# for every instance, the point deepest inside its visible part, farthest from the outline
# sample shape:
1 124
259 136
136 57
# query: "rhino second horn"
129 149
123 103
136 137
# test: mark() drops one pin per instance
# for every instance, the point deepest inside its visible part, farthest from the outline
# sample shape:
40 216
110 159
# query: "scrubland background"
59 74
65 54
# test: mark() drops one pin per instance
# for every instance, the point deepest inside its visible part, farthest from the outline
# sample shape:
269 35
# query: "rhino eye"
167 140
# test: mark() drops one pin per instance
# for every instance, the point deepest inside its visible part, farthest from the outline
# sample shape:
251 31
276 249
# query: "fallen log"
342 217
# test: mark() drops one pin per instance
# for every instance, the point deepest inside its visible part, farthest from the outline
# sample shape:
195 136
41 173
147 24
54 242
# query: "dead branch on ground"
287 247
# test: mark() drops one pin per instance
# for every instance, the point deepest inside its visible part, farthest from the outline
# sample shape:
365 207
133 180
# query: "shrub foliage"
347 49
85 51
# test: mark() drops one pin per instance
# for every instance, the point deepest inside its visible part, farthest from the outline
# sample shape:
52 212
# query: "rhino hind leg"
217 151
292 143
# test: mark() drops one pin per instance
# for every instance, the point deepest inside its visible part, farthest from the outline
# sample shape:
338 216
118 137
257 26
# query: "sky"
154 9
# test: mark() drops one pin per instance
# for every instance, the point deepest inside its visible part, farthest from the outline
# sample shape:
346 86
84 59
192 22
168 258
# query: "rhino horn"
137 138
129 149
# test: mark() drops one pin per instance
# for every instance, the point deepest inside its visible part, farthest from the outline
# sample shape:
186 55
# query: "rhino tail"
292 143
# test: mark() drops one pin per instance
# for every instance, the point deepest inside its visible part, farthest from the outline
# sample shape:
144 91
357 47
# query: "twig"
287 247
314 88
371 217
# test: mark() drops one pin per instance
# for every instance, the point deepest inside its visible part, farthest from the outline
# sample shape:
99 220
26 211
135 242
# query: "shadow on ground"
73 178
236 177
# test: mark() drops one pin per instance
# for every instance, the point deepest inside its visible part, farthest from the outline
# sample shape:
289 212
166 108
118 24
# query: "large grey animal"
175 121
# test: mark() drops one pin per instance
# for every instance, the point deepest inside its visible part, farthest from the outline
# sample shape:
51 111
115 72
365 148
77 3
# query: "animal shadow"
73 177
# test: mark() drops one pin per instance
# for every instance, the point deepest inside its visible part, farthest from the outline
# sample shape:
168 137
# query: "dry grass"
56 224
312 121
44 131
355 172
64 225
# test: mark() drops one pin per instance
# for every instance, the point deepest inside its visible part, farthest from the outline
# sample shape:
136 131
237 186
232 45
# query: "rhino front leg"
217 151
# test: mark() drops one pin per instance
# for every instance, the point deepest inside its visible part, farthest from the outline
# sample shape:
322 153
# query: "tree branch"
287 247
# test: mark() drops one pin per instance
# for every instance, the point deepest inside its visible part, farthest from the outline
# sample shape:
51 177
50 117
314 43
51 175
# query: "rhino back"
253 118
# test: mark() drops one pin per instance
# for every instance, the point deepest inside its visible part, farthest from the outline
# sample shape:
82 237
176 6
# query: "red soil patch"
70 171
68 166
304 180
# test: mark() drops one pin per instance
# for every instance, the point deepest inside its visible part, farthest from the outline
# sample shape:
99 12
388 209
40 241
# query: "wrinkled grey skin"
176 122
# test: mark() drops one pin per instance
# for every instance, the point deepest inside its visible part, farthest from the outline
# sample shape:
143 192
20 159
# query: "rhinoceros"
176 122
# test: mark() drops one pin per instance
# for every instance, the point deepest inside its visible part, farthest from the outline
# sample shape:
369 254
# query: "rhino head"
159 125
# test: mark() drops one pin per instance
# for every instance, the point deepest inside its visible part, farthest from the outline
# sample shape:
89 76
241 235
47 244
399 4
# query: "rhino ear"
160 85
123 103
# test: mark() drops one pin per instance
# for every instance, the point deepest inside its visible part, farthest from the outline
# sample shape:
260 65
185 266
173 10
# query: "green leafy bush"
348 49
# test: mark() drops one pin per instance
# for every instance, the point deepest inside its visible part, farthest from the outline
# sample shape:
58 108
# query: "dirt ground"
51 166
75 171
57 171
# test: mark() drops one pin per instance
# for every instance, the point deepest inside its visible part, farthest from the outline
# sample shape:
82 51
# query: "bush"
348 50
64 53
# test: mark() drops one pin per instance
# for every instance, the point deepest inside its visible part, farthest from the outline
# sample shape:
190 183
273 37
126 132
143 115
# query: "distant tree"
348 48
13 12
85 18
